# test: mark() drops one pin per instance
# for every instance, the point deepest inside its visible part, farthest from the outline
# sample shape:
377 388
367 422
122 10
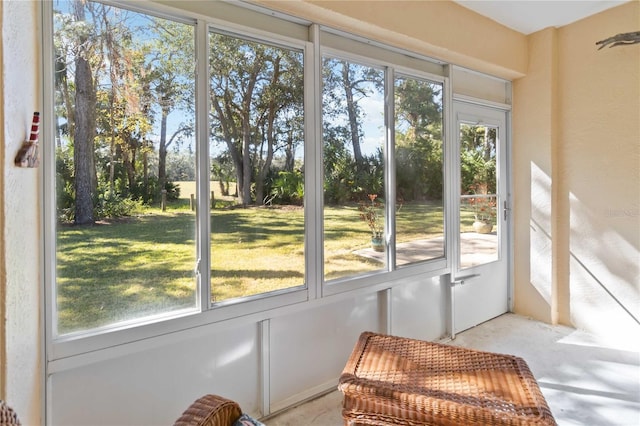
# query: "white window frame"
95 339
251 22
437 266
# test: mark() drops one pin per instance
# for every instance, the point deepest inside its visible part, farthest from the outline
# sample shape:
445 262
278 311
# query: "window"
257 152
478 193
124 105
129 170
353 155
170 201
355 208
419 158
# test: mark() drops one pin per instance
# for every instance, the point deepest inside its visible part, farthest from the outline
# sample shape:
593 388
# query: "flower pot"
482 227
377 244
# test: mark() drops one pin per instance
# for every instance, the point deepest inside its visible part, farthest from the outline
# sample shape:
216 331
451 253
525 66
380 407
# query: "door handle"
460 280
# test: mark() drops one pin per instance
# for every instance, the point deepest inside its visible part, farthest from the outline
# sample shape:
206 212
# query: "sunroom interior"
565 248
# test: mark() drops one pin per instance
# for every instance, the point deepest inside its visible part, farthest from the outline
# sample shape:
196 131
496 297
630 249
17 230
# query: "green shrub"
173 191
111 205
287 188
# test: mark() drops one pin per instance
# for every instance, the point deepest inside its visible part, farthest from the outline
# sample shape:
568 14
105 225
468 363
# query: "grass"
114 271
256 250
143 265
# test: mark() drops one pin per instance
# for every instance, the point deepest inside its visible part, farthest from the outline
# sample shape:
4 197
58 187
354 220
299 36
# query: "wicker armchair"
210 410
8 417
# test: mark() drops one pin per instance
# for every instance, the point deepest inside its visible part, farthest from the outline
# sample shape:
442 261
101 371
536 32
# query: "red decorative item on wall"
28 154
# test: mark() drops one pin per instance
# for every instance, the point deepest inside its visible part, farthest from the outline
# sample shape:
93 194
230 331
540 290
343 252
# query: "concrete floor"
585 381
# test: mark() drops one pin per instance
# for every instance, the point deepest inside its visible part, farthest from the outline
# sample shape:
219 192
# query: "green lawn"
124 269
141 265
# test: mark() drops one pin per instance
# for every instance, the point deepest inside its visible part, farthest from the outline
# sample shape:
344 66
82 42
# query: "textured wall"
577 177
3 271
432 28
599 97
21 233
533 136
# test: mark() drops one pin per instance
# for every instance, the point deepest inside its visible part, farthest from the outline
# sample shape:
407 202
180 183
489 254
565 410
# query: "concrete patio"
585 380
474 249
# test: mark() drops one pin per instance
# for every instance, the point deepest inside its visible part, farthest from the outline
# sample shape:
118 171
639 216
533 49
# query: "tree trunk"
145 174
83 152
112 148
129 169
289 151
229 130
162 152
245 185
224 189
271 129
245 189
352 113
266 165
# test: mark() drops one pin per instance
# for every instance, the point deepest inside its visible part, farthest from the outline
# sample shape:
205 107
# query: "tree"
280 124
85 129
171 77
222 170
124 119
233 79
91 46
255 94
419 155
119 75
353 111
348 173
345 85
478 159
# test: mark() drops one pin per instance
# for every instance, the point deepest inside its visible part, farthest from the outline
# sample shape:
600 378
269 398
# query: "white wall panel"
480 86
154 387
309 349
419 309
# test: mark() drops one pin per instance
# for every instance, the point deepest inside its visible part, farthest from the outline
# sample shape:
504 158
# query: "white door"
480 289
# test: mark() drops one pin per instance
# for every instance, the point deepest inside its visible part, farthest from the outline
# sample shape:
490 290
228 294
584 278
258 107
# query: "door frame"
463 102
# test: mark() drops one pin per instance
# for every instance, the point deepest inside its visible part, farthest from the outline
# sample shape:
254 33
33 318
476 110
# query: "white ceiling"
529 16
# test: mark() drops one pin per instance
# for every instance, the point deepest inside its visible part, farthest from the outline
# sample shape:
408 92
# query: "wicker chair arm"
210 410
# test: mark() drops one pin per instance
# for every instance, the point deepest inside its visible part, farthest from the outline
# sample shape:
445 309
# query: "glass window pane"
478 189
257 169
353 138
124 102
419 170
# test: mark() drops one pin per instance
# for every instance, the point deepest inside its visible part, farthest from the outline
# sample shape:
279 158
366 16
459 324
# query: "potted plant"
371 213
484 212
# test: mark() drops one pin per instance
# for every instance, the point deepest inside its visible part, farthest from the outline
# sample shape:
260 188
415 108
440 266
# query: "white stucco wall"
22 367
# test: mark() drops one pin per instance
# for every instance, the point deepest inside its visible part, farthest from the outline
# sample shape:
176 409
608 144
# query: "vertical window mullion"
49 175
390 169
450 180
314 256
203 266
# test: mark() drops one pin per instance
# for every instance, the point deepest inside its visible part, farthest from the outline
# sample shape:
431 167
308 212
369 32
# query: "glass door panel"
478 232
480 287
